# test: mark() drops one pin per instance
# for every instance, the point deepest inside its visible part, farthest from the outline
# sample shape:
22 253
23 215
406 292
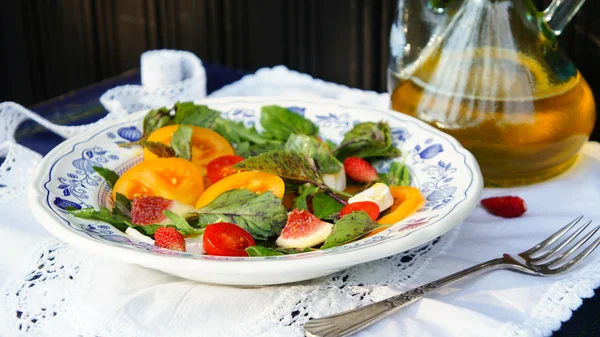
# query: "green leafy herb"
397 175
261 215
271 145
236 132
110 176
324 205
304 191
159 149
155 119
181 224
349 228
280 123
290 165
103 214
310 146
262 251
122 206
181 142
266 251
197 115
330 144
367 139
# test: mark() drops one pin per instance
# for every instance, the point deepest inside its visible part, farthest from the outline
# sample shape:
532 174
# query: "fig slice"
148 210
303 230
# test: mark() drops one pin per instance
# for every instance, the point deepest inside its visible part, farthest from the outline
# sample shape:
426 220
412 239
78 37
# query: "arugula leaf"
181 142
316 150
280 122
367 139
103 214
324 205
110 176
261 215
271 145
159 149
349 228
397 175
304 191
149 230
262 251
290 165
266 251
197 115
242 149
122 206
181 224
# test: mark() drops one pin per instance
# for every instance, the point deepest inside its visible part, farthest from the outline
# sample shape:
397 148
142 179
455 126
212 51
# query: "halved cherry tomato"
369 207
206 144
226 239
221 167
257 182
170 178
406 200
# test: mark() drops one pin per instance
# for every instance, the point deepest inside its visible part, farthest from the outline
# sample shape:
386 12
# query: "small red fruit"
226 239
170 238
221 167
148 210
507 207
360 170
369 207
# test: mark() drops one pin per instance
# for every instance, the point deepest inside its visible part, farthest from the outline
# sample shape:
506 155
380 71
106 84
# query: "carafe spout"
560 12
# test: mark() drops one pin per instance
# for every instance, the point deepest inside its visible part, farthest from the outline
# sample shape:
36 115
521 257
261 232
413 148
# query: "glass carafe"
490 73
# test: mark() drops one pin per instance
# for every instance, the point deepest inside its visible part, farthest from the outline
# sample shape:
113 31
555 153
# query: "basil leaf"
181 224
262 251
236 132
155 119
367 139
197 115
305 191
103 214
280 123
181 142
349 228
290 165
397 175
122 206
266 251
316 150
159 149
271 145
324 205
110 176
261 215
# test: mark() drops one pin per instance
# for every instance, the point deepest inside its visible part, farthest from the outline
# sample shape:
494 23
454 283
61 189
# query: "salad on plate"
209 185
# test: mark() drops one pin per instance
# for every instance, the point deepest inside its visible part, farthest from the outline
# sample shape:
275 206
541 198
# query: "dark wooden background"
51 47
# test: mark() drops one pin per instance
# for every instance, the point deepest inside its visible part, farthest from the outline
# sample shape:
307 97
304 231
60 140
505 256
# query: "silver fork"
553 256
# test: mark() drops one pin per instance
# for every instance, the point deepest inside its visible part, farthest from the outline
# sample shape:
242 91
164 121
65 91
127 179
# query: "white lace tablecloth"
51 289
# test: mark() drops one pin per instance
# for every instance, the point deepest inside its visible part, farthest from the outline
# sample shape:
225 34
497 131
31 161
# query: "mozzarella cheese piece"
337 181
134 233
378 193
194 245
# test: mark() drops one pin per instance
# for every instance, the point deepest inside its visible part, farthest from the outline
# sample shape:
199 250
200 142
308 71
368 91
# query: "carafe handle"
560 12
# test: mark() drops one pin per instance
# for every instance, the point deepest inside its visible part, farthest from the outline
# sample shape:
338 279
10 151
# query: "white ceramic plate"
446 173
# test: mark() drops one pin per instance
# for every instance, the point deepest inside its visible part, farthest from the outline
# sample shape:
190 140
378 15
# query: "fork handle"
349 322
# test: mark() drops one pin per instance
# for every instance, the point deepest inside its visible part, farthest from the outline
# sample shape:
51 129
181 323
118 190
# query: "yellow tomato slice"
206 144
170 178
257 182
406 200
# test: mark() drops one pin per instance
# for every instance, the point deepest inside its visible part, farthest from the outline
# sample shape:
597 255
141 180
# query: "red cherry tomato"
221 167
226 239
369 207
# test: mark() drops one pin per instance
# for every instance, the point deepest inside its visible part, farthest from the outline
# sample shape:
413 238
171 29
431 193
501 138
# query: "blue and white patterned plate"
446 173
